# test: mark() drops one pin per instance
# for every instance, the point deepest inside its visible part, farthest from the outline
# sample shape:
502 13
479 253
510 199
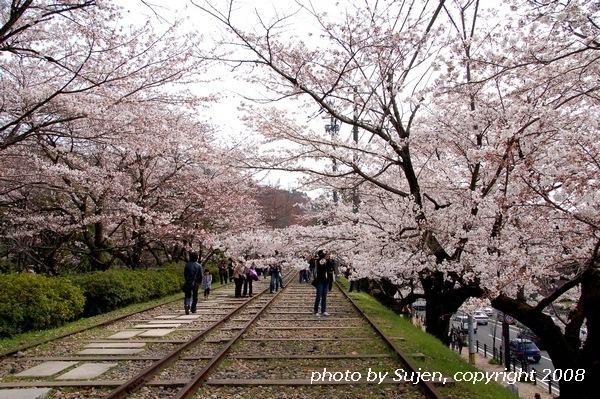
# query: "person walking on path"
192 274
323 269
460 341
453 339
206 282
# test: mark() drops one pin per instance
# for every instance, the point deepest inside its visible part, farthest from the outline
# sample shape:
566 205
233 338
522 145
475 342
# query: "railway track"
267 346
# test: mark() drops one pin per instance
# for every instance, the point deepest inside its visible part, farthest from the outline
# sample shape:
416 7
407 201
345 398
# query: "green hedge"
35 302
32 302
113 289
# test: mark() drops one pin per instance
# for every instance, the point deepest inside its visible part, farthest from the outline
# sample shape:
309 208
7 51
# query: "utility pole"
333 128
355 199
506 341
471 340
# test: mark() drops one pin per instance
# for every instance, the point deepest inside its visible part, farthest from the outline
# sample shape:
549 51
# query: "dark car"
524 349
526 333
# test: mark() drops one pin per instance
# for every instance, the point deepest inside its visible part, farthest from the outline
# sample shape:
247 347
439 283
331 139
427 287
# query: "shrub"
34 302
109 290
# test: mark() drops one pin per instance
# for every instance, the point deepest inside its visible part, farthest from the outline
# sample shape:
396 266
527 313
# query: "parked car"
419 304
524 349
480 318
526 333
488 311
461 323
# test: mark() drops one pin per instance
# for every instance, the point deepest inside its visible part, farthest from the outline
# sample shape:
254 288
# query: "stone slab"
147 326
124 334
188 317
116 345
86 371
25 393
157 332
170 321
166 316
113 351
46 369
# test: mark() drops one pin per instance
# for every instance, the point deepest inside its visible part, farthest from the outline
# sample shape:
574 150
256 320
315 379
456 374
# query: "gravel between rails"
287 327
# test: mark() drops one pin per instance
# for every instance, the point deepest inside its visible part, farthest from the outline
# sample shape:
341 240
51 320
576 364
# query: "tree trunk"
437 319
439 309
384 291
444 297
590 353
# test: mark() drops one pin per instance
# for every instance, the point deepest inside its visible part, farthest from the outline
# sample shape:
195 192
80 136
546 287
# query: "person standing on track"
239 275
304 272
311 267
251 275
192 274
274 272
223 277
323 269
230 269
331 271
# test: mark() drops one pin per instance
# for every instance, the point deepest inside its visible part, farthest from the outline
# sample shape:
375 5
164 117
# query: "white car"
481 318
461 323
488 311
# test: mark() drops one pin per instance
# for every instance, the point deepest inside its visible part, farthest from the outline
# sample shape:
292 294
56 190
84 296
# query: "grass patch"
438 358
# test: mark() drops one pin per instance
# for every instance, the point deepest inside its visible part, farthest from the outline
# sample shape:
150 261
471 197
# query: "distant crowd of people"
320 270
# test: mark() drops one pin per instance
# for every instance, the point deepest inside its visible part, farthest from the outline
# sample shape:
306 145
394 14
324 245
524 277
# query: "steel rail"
186 387
428 388
143 377
197 380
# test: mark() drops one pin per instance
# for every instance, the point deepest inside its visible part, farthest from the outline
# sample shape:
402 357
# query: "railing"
495 353
517 364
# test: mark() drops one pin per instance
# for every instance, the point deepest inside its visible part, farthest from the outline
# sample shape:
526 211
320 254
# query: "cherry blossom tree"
55 53
103 157
474 157
142 190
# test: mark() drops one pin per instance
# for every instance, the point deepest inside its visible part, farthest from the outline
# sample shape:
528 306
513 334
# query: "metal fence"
517 365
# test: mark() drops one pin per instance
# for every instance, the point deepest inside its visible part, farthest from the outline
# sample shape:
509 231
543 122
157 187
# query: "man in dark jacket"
192 274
